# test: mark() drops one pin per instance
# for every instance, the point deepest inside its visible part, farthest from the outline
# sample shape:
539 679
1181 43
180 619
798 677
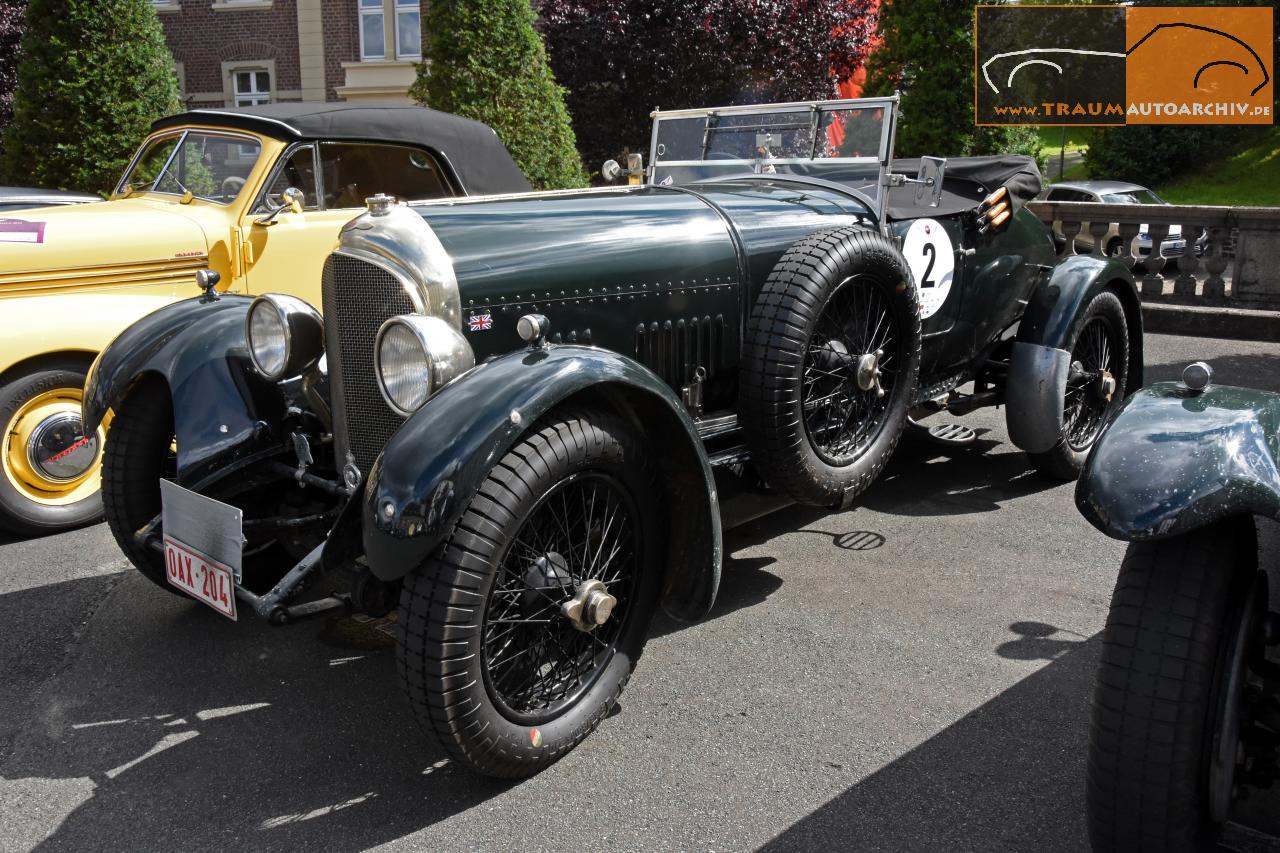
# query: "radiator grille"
358 298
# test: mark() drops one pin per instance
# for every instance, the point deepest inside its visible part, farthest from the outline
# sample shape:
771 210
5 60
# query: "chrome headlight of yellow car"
285 334
415 356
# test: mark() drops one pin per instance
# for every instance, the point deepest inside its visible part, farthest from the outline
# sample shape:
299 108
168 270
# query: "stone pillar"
1256 278
311 49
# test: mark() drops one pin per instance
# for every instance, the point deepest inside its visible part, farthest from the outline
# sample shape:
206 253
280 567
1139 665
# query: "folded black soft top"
966 183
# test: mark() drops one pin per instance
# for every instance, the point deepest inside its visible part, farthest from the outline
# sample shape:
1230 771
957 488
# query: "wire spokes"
537 663
841 415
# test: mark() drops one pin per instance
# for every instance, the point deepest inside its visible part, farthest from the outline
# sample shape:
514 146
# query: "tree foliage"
486 61
927 55
12 15
92 77
621 58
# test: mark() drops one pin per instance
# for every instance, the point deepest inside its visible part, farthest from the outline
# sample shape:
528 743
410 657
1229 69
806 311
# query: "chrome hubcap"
58 450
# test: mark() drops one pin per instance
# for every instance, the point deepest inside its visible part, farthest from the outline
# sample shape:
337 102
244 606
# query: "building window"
251 87
408 29
165 5
373 36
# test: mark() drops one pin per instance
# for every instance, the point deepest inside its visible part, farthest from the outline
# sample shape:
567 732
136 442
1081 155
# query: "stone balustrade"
1231 255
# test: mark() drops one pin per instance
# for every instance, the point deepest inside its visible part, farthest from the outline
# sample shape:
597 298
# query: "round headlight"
415 356
285 334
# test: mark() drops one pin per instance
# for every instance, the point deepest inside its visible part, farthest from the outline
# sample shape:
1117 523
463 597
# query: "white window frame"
254 97
400 7
364 11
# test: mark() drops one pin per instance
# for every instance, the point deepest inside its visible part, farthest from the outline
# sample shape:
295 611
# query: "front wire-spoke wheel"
518 637
561 597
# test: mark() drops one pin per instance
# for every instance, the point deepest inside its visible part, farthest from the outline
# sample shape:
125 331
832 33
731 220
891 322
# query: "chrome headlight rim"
446 354
303 333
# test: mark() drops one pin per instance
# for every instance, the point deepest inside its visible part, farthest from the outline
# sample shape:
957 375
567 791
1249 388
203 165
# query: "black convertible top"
966 183
478 158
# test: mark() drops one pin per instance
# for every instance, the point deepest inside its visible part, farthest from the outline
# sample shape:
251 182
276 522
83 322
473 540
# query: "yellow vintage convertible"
255 196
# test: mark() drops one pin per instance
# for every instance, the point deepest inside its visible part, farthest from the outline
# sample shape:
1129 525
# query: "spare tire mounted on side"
831 364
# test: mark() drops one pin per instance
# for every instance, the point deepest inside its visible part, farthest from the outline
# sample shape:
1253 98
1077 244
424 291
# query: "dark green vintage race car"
525 420
1186 714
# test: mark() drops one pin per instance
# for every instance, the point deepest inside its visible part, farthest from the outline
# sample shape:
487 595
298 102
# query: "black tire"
1115 247
1085 411
816 290
457 667
1175 604
138 454
23 511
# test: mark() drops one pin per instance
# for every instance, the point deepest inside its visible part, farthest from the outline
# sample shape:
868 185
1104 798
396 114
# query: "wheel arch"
80 358
198 349
1040 358
1172 461
421 485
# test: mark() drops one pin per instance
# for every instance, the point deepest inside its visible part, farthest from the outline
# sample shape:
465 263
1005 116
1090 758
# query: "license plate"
200 577
203 545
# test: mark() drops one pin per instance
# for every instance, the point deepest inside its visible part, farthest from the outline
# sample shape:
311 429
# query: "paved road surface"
911 674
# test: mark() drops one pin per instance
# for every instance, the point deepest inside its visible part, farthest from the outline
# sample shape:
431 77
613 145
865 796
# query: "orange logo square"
1199 65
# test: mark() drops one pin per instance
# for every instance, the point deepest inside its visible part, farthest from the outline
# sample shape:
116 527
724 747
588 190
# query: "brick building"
245 52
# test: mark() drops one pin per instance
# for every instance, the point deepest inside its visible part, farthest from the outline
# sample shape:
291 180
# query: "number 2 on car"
203 579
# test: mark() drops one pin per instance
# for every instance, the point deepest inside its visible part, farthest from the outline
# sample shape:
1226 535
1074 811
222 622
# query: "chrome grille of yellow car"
358 298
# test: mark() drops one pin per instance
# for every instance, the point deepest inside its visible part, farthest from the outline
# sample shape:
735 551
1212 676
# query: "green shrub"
12 13
485 61
1151 154
92 77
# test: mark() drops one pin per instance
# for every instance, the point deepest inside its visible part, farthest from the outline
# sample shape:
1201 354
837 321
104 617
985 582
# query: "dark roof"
967 181
479 160
13 194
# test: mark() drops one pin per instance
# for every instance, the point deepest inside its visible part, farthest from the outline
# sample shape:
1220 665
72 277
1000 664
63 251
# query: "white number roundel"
932 258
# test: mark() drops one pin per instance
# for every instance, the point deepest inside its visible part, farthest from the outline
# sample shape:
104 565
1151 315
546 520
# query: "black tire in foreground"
1164 704
832 360
518 637
1095 385
56 490
138 454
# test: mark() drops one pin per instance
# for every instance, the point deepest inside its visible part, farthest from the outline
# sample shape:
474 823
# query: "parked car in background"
1117 192
1186 711
22 198
525 420
253 197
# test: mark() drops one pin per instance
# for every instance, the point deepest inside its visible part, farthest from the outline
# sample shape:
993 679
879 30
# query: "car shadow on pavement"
217 736
1009 775
923 481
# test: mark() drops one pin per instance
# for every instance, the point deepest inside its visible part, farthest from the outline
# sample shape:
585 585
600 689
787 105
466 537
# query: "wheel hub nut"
869 372
1107 385
590 607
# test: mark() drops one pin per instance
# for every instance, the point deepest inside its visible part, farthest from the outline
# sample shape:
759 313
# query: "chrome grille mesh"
358 298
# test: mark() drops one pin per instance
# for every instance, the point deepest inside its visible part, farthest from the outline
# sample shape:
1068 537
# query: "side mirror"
611 170
929 181
295 198
292 200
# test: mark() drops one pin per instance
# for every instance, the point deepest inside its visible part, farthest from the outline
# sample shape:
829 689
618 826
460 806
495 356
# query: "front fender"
432 468
1173 460
1041 357
219 400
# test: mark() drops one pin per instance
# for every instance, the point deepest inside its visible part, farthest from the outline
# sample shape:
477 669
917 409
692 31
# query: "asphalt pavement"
911 674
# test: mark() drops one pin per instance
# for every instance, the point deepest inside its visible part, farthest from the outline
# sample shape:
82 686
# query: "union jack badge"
480 322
